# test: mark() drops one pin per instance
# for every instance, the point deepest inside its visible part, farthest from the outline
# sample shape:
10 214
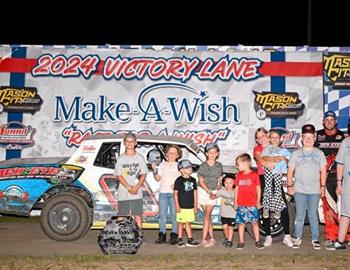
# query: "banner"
337 85
51 98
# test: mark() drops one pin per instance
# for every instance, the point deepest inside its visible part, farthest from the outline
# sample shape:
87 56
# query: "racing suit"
329 144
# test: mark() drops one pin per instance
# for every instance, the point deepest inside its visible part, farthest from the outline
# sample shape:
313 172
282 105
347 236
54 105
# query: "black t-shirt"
185 188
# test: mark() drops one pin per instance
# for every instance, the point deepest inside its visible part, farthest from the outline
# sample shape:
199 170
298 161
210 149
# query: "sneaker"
212 242
277 214
181 243
259 245
329 245
268 241
287 240
192 243
316 244
338 246
240 245
266 213
297 243
224 242
229 244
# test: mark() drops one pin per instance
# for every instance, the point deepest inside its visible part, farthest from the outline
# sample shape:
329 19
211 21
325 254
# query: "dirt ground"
24 245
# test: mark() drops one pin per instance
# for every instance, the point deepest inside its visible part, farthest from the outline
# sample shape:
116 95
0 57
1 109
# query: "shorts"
228 221
130 207
203 198
185 215
247 214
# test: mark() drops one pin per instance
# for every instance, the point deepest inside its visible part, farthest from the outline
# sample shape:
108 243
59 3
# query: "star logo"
203 94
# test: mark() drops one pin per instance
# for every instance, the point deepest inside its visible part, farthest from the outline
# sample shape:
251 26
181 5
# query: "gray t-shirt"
307 166
227 203
343 157
130 167
210 174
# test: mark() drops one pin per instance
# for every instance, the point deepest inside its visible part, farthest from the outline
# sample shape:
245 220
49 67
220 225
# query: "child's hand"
133 190
212 196
154 166
195 209
178 209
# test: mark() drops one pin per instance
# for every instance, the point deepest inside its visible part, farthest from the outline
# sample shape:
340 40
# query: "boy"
131 170
247 199
227 212
185 196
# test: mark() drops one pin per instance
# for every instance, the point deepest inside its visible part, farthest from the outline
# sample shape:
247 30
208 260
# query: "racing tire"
66 217
276 224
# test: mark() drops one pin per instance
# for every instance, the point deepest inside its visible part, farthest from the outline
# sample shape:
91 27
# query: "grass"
177 261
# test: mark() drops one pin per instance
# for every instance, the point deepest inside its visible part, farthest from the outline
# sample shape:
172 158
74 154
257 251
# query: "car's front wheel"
66 217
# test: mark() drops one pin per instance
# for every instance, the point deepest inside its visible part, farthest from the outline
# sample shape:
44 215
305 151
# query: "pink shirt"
258 149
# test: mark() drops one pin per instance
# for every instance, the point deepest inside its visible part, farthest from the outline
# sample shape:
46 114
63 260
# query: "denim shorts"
247 215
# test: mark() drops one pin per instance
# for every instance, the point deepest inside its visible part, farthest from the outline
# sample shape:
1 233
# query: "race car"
80 192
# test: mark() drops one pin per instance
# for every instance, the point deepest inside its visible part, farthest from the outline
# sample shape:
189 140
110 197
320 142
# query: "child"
167 173
131 170
209 177
277 157
247 199
228 213
185 195
307 167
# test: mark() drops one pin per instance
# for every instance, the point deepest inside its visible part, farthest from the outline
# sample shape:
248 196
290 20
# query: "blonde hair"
244 157
179 151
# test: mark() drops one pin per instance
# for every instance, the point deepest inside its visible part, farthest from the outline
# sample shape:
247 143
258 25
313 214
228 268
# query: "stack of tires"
121 235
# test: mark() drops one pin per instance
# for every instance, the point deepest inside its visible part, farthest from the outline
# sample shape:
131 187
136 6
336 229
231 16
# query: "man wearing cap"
328 140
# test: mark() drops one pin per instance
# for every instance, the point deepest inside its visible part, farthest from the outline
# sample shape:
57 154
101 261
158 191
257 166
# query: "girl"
209 177
278 157
262 138
308 166
167 173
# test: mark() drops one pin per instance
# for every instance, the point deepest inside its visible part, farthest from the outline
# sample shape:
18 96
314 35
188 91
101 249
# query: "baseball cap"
129 135
185 163
308 128
154 156
210 146
330 114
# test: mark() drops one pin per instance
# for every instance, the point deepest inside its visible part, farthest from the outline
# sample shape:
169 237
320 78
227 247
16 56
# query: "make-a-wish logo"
183 103
158 103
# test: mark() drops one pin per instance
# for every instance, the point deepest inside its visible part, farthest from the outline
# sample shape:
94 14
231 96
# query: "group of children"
240 197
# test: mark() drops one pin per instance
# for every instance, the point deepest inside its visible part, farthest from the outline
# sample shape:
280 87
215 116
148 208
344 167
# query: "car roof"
151 138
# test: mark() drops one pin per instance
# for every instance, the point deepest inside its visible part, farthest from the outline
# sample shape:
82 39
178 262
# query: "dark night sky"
249 23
